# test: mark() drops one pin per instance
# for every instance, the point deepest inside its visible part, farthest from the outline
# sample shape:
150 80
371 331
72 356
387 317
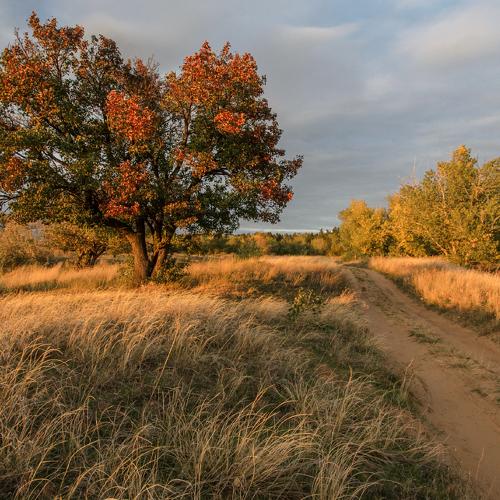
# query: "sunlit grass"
473 294
172 392
37 277
277 275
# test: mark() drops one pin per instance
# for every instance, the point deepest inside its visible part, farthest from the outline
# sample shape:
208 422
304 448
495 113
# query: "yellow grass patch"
38 277
164 392
445 285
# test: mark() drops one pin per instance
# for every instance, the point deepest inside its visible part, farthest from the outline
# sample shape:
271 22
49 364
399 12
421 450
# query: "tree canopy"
363 230
453 211
90 138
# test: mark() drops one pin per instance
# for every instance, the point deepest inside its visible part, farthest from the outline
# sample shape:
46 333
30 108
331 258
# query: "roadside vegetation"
198 390
470 296
452 212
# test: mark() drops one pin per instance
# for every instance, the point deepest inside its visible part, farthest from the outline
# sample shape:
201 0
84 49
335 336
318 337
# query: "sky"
370 92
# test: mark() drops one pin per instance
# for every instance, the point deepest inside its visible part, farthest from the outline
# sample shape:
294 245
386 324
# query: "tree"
364 230
454 211
89 138
334 243
87 242
410 237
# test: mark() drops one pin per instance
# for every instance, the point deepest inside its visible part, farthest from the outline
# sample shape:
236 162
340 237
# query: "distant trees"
364 230
20 245
91 139
260 243
453 211
26 244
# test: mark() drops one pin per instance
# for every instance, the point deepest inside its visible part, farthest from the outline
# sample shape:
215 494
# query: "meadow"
470 296
252 378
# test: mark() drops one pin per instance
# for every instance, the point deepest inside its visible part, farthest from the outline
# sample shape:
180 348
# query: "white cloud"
379 86
460 37
413 4
319 33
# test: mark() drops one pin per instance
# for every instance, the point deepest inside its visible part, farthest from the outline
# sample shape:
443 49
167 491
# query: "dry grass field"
472 296
38 278
247 379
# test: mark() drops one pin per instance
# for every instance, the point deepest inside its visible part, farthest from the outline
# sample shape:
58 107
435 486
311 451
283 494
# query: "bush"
171 271
306 300
22 245
88 243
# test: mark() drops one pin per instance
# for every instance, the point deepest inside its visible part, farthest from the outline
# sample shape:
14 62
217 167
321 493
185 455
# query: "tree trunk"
88 258
159 261
162 253
137 241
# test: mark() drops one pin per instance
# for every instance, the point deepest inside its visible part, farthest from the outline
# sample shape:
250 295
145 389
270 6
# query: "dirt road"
457 373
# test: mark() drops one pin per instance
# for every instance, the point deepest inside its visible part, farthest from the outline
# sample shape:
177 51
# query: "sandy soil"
456 374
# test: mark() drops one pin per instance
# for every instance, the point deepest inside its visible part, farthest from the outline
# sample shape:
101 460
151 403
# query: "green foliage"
453 211
21 245
305 300
364 230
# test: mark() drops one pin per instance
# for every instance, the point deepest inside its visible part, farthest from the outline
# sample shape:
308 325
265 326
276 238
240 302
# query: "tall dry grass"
227 275
474 295
170 393
274 275
40 278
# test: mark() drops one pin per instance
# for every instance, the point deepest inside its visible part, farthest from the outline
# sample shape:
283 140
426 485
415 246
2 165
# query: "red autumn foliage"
271 190
124 190
14 171
230 123
201 163
29 74
206 77
127 118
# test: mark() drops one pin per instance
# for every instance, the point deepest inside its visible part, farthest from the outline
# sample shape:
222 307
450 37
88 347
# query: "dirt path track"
457 373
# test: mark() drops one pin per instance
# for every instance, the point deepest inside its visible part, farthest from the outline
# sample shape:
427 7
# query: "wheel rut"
456 373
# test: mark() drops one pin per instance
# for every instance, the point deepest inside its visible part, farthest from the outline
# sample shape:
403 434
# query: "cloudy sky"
367 90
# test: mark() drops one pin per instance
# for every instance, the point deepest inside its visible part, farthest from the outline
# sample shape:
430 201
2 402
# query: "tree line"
453 211
262 243
82 246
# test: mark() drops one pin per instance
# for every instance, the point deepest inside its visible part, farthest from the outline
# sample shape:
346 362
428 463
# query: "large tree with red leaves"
88 137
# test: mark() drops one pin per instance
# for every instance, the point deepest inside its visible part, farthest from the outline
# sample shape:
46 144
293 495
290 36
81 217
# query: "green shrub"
21 245
305 300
